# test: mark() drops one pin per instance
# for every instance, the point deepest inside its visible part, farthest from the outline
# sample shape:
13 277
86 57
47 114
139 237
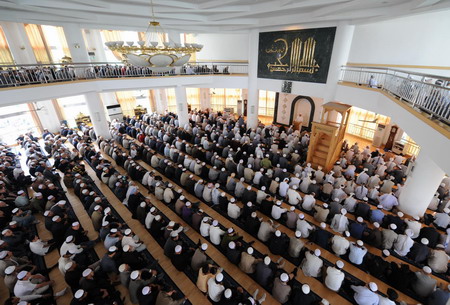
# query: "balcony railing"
20 75
424 92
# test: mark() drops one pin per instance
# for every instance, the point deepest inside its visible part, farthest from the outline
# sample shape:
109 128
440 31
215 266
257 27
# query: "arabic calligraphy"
301 59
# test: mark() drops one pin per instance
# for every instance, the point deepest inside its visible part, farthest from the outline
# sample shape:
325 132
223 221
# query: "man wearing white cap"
281 290
357 252
366 295
215 287
340 222
133 241
308 202
438 259
340 244
442 220
312 263
28 285
277 210
199 258
295 245
388 201
404 243
22 200
389 236
233 210
40 247
334 276
420 251
248 261
215 233
423 284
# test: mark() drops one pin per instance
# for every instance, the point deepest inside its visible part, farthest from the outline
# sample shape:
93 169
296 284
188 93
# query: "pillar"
95 44
160 100
420 186
182 107
97 114
341 51
48 115
253 94
205 98
18 42
75 41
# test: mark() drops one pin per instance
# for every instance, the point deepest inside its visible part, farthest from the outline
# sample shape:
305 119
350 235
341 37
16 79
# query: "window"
48 42
411 147
127 102
361 123
171 100
5 53
266 105
193 98
16 120
188 38
72 107
225 98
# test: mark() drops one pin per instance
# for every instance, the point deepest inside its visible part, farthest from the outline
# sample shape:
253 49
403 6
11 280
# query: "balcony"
25 75
425 93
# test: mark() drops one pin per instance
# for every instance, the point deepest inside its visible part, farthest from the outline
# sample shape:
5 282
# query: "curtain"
5 54
171 100
217 99
411 147
358 125
63 41
193 98
266 106
127 102
34 33
232 96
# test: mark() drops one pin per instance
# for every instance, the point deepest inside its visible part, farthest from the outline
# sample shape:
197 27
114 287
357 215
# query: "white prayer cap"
424 241
76 223
182 197
253 215
61 202
306 289
9 270
440 246
227 293
87 272
393 226
317 252
301 216
204 246
292 209
173 234
50 197
278 203
113 230
298 234
230 230
69 239
134 275
142 205
188 204
359 219
171 224
146 290
340 264
97 199
277 233
336 199
107 210
178 249
55 218
325 302
219 277
20 192
284 277
426 269
112 249
232 245
359 243
92 193
267 260
97 207
249 188
85 192
79 294
263 188
153 209
325 205
215 223
122 267
126 248
347 234
386 252
68 266
46 213
232 200
21 275
373 286
376 225
343 211
400 214
250 250
37 194
249 204
323 225
15 210
379 206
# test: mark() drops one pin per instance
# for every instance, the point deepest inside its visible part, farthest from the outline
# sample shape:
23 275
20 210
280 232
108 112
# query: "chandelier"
154 52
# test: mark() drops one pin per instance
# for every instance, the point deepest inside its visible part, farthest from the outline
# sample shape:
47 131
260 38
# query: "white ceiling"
209 15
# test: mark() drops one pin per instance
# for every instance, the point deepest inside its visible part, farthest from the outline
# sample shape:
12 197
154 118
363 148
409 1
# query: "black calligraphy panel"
301 55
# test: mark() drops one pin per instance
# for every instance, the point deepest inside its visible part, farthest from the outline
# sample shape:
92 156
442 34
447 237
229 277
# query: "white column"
420 186
253 94
75 41
160 100
97 114
18 42
48 116
182 107
109 98
341 50
94 44
205 98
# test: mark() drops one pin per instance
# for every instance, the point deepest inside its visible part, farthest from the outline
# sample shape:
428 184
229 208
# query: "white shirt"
277 212
442 220
38 247
339 245
304 227
284 186
215 235
311 265
129 240
24 288
308 202
204 228
388 201
356 254
403 244
334 278
149 219
294 197
339 223
233 210
215 290
414 226
385 301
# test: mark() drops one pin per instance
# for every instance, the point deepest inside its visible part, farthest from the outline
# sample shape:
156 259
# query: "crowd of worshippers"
239 157
91 279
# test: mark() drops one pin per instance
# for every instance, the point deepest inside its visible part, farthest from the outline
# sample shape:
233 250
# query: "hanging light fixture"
154 52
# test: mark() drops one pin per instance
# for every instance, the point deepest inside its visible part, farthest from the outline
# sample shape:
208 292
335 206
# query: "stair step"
323 148
320 154
325 142
318 160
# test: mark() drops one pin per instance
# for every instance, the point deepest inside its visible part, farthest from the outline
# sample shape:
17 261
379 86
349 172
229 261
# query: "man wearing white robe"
340 222
404 243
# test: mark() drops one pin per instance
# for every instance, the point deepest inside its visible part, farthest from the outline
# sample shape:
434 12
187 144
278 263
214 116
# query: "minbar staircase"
328 135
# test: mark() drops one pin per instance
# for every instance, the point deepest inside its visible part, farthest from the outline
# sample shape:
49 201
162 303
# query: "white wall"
218 47
415 40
